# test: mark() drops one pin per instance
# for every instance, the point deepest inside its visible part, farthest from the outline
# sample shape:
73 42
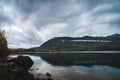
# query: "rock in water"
24 62
46 76
10 71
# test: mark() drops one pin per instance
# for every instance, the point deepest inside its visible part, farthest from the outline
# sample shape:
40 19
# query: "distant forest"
86 43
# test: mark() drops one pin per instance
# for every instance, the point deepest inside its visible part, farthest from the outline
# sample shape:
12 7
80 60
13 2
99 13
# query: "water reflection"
75 72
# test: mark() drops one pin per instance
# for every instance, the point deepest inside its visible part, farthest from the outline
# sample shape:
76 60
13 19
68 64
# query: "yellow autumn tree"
3 46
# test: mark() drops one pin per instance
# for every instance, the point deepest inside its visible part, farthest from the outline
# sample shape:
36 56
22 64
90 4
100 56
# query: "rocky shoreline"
17 69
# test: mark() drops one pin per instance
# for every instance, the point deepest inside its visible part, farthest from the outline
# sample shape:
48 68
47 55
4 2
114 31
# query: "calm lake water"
72 72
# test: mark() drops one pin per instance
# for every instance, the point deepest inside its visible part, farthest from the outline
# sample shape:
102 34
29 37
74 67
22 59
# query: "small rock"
46 76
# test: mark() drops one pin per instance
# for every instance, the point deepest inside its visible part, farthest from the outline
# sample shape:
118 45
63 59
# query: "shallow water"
73 72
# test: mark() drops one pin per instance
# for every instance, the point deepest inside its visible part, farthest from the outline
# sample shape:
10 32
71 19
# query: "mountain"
86 43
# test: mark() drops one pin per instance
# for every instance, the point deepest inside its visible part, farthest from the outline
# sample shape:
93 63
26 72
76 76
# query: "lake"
70 67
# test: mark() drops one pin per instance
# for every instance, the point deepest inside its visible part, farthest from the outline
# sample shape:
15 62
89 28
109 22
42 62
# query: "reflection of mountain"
86 59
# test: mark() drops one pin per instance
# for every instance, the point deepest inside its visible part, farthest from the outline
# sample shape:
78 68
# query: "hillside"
81 43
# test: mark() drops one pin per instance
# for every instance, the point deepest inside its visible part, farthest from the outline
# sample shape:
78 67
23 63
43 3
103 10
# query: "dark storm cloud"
29 22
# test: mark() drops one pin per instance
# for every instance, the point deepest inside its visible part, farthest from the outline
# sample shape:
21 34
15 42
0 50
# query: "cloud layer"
29 23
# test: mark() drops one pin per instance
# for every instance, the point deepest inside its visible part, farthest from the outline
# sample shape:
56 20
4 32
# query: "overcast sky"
30 23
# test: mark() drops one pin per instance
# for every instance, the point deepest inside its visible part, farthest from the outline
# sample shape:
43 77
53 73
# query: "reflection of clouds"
75 72
99 72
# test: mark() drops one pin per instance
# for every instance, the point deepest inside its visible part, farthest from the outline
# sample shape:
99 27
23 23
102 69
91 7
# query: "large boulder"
24 62
10 71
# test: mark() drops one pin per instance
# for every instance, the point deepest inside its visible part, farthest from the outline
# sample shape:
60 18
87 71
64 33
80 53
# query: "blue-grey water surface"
73 72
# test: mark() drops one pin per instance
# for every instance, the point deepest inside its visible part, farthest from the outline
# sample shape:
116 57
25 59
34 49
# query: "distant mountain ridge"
87 43
112 38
